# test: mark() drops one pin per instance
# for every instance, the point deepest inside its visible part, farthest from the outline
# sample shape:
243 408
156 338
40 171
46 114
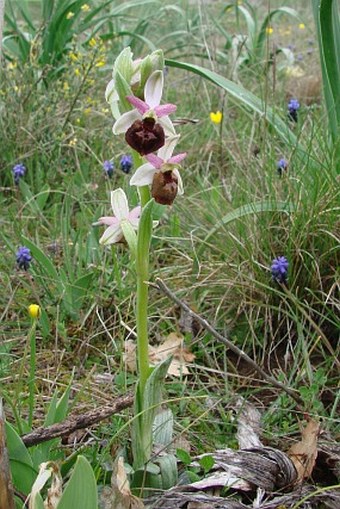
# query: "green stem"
144 191
142 266
142 328
31 381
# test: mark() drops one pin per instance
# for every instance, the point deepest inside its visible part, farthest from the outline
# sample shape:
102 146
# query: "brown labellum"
164 187
145 136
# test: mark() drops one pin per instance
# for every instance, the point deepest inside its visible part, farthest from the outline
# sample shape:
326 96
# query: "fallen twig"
206 325
72 423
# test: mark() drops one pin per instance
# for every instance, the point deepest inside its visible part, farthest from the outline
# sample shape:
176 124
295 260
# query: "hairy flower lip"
164 187
145 136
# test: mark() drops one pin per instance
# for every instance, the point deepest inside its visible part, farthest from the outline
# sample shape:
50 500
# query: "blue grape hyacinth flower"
126 163
293 107
281 166
108 168
279 269
18 171
23 257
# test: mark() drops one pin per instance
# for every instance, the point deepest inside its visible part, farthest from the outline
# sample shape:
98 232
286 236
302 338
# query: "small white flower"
114 232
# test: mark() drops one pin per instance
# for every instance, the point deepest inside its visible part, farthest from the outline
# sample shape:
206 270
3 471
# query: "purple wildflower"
281 166
279 269
18 171
126 163
293 107
108 168
23 257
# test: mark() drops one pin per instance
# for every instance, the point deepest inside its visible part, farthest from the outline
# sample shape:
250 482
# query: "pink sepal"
165 109
177 158
155 160
140 105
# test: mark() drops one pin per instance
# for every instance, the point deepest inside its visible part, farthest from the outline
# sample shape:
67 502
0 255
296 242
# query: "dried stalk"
76 422
206 325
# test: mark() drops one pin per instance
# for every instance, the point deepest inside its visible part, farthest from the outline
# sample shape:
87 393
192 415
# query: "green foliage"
146 405
327 19
251 48
81 490
248 100
22 469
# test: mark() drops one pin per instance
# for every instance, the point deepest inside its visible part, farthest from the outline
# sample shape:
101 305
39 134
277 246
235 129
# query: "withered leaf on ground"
248 425
120 496
173 345
303 454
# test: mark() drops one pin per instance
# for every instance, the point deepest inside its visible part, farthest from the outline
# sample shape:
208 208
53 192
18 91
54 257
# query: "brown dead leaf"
173 345
130 348
303 454
121 496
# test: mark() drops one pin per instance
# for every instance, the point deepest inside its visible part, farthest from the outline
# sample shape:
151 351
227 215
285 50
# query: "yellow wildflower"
85 7
216 118
87 111
100 63
73 56
11 65
66 86
302 26
93 42
77 72
269 30
34 311
69 15
73 142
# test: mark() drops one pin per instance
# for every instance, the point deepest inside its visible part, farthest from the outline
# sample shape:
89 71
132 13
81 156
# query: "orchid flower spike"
114 232
161 172
146 126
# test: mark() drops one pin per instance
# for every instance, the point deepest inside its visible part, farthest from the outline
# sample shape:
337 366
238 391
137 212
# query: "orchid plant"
135 94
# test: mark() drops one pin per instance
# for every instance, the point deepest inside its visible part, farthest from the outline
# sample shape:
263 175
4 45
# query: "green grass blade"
261 39
245 210
326 14
248 99
81 489
44 261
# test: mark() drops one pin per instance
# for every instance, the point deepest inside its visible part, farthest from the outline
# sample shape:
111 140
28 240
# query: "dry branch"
76 422
206 325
